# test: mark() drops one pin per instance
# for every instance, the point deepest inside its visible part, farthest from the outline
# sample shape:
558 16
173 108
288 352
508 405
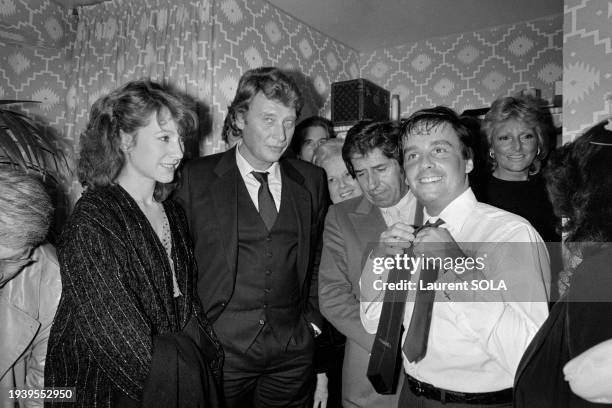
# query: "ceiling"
366 25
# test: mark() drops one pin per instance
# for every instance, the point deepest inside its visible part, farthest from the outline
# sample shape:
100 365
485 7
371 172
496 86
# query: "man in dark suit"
256 221
351 228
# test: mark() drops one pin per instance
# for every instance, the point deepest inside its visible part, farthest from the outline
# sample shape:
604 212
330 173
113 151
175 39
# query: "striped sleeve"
107 315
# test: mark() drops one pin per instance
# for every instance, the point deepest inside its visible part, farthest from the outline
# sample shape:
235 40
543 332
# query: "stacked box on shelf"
358 99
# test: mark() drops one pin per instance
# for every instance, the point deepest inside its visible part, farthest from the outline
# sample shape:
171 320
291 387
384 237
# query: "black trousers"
270 374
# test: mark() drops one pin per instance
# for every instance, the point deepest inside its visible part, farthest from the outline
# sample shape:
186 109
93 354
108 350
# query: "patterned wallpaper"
36 37
252 33
587 69
122 40
470 70
38 40
48 56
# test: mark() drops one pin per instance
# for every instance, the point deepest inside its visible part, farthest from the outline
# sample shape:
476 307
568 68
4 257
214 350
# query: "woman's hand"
320 396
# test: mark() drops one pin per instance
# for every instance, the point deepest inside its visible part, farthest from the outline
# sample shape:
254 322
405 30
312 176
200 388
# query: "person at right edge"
579 183
467 353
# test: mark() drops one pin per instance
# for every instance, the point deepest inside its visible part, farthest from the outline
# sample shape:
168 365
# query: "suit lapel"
539 339
368 222
299 197
224 192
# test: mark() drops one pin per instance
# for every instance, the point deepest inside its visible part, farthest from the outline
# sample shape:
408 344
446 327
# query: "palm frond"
25 143
14 101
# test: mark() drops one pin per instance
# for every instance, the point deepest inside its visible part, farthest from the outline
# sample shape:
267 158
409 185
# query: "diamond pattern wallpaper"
36 38
68 62
50 55
253 33
587 65
470 70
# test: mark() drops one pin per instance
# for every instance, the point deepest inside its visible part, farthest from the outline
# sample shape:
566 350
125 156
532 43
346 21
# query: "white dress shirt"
476 346
403 211
251 183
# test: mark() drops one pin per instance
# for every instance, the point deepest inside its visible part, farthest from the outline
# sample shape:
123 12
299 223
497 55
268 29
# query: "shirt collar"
404 202
456 213
401 208
246 169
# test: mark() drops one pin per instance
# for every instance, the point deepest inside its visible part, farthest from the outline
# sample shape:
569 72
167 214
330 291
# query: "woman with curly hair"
580 186
129 301
518 130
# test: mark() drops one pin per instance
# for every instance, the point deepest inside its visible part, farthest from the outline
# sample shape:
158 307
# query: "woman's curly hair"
579 183
127 109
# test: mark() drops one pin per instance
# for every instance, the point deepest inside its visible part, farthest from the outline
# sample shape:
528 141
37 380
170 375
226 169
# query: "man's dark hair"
368 135
424 120
270 81
579 186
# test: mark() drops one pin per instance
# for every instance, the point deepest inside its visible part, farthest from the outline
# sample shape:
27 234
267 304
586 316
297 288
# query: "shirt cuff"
370 315
316 329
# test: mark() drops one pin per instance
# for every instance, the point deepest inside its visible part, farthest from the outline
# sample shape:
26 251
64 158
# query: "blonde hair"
327 150
527 110
25 209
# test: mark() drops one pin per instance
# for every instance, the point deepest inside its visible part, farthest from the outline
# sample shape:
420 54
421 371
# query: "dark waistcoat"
266 291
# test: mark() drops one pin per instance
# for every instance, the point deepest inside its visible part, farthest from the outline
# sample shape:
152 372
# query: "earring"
538 153
126 149
491 154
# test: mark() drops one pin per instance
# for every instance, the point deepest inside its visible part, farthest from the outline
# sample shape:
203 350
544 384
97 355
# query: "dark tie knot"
261 176
435 224
429 224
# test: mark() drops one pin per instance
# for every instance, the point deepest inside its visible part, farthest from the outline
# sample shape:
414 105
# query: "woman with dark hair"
580 188
518 131
127 264
309 134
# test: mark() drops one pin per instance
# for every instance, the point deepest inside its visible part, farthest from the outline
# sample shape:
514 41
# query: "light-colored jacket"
27 306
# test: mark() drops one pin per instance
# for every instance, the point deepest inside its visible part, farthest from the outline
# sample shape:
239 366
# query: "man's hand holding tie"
393 241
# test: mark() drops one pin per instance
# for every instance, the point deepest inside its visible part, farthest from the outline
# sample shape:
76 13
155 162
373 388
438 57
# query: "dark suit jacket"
179 376
209 192
576 323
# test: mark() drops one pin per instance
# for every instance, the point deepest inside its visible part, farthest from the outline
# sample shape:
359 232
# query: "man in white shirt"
474 339
372 157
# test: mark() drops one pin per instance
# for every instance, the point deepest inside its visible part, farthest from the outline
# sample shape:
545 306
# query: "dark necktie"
267 208
415 345
385 362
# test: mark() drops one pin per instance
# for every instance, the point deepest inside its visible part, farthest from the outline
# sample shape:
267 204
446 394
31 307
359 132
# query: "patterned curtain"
122 40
